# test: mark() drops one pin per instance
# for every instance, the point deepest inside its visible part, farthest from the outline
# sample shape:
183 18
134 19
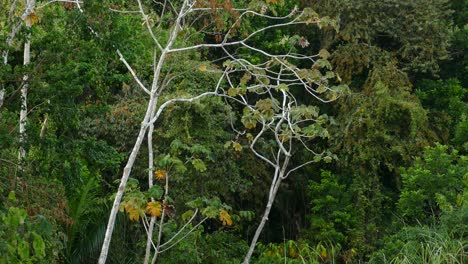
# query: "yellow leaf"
338 77
202 68
132 209
134 214
333 96
237 146
225 217
322 251
154 209
160 174
128 206
284 137
31 19
323 53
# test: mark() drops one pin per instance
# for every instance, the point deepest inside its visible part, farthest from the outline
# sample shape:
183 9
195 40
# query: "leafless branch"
142 86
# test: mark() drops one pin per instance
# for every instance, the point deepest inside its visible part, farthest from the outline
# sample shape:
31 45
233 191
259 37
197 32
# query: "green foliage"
86 210
331 215
293 252
202 247
436 183
20 242
446 101
381 49
461 133
434 201
382 126
422 245
416 32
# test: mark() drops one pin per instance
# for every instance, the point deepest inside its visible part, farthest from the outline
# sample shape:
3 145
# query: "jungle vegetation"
223 131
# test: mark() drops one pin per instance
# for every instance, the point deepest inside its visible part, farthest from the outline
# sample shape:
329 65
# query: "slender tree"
265 87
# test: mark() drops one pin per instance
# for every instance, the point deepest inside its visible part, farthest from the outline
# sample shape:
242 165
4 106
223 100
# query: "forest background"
389 187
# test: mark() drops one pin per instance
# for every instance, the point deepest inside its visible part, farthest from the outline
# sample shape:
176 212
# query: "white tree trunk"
24 91
149 240
293 75
123 183
2 97
146 122
277 179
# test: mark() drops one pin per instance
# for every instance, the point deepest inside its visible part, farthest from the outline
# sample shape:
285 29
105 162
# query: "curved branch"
142 86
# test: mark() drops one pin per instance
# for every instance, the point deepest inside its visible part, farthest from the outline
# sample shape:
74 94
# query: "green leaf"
321 89
226 63
245 78
248 119
264 104
317 158
23 250
179 165
38 245
283 87
197 203
12 196
156 192
233 92
329 74
187 215
210 211
248 215
16 216
250 137
323 63
168 199
199 165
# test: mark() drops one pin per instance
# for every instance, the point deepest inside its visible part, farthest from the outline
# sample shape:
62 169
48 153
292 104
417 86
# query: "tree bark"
277 179
24 92
150 184
120 191
146 122
2 96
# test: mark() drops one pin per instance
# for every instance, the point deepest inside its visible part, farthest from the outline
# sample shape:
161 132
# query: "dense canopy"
223 131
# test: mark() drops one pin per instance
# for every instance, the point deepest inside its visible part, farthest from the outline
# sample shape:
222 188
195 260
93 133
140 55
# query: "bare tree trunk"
158 244
2 96
146 122
149 240
277 179
150 184
269 124
5 52
123 183
44 127
24 93
30 5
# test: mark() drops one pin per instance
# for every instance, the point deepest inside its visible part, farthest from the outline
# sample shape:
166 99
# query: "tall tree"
271 76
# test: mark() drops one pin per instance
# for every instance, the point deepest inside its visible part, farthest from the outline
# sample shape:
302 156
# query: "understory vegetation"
348 117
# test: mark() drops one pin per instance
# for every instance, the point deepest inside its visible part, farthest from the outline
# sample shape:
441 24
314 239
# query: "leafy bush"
434 200
19 239
331 215
435 183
